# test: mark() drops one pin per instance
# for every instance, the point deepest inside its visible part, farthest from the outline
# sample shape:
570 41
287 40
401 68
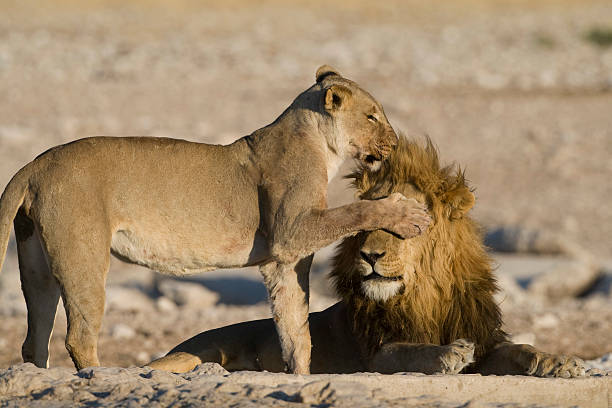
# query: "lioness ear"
325 71
336 96
460 201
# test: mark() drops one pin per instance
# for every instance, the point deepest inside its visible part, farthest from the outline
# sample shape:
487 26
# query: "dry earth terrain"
520 94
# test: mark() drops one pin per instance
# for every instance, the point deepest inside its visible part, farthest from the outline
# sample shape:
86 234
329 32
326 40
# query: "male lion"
424 304
180 207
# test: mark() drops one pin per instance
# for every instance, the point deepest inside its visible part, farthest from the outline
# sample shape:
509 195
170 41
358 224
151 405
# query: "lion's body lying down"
424 304
253 346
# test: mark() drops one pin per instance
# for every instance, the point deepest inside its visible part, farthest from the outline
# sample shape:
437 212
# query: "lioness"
180 207
424 304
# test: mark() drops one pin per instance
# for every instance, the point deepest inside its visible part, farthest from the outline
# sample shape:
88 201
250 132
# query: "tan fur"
428 307
181 207
446 276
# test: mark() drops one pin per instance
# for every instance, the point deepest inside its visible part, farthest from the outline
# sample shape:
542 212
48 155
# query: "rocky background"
517 92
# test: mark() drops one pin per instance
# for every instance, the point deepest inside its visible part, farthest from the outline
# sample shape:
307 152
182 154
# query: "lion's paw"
550 365
459 354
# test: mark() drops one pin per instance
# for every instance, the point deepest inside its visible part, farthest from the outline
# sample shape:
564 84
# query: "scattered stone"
122 331
567 278
143 357
187 293
546 321
571 275
127 299
524 338
163 304
524 240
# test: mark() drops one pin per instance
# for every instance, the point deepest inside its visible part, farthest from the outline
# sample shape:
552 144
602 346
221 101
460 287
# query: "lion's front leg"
523 359
423 358
288 290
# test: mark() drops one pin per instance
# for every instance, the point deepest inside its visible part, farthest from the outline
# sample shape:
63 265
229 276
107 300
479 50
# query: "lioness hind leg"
80 264
523 359
84 304
40 289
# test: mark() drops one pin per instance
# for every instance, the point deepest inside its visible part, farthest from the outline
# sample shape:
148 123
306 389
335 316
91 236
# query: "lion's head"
434 288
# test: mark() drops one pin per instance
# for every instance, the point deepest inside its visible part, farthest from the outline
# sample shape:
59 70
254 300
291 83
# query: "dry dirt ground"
511 90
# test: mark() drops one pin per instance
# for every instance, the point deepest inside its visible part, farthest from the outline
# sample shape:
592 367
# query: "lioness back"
141 187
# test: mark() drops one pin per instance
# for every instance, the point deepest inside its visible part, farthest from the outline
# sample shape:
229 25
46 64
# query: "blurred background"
519 93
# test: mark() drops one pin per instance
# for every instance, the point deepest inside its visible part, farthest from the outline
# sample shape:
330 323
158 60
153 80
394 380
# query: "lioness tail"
10 201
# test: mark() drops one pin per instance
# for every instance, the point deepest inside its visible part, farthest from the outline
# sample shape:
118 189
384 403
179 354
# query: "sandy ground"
510 90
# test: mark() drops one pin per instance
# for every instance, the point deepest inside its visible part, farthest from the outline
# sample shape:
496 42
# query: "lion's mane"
453 294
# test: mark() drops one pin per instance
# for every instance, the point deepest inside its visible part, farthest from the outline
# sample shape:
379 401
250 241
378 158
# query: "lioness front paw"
460 353
550 365
408 217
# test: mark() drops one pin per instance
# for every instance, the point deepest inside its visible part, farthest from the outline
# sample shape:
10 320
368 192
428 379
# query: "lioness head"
362 130
379 267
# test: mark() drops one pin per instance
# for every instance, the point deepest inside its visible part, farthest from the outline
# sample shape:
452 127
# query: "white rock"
546 321
524 338
143 357
122 331
187 293
163 304
567 278
127 299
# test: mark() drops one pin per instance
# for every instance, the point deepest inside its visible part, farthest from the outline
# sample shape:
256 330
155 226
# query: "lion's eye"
372 118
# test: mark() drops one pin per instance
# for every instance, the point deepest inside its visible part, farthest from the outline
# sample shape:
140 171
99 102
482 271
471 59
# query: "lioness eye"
372 118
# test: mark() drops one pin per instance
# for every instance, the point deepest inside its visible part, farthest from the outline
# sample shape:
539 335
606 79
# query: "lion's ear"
336 96
460 201
324 71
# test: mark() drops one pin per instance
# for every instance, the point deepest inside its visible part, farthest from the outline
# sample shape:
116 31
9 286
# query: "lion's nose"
371 256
